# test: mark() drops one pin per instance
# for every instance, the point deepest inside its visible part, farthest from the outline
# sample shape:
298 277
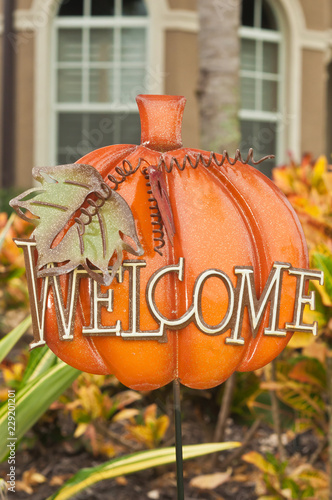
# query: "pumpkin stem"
161 121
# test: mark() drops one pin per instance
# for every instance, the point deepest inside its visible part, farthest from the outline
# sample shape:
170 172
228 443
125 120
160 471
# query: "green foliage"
301 387
5 196
13 288
40 360
33 398
133 463
308 187
280 481
9 340
247 389
93 409
150 429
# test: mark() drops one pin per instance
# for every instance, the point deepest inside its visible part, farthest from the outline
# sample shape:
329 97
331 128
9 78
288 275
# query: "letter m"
245 296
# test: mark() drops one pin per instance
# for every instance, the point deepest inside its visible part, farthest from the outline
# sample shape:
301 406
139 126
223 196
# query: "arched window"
261 81
100 65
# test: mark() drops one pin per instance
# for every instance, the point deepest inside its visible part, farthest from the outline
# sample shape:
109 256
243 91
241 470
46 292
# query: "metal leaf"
79 219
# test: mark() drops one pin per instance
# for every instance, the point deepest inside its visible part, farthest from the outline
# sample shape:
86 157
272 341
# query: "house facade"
80 64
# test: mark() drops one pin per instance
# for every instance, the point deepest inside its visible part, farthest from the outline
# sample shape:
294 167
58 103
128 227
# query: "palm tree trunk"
218 88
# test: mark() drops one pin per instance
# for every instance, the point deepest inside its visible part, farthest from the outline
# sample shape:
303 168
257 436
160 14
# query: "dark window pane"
69 136
248 9
269 21
248 54
261 136
100 130
248 93
70 45
71 8
80 133
102 7
69 85
130 128
101 85
133 8
270 57
270 96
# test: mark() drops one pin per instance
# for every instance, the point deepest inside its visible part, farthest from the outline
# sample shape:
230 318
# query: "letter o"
197 302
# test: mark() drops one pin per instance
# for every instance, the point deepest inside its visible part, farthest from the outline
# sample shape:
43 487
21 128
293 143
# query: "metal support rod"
178 439
8 97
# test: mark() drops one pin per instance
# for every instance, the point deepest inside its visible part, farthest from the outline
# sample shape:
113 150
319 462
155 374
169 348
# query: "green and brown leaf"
78 221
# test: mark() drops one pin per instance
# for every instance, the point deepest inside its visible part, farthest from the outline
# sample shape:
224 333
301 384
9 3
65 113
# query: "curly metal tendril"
128 169
155 214
102 196
199 160
123 172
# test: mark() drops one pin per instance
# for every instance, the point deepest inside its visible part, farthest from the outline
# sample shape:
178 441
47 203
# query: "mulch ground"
59 461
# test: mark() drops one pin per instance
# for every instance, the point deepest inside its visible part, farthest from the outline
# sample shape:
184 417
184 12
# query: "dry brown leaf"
22 486
154 494
241 478
126 414
30 478
121 481
59 480
316 350
211 481
126 398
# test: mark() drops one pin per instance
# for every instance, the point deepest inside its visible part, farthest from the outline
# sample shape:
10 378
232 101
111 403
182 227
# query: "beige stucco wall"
24 4
183 4
314 102
24 109
20 4
317 13
181 79
181 76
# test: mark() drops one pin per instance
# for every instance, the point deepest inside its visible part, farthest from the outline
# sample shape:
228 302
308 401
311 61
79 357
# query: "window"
261 81
101 62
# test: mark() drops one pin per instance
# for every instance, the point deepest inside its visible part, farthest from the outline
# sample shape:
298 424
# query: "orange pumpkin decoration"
224 215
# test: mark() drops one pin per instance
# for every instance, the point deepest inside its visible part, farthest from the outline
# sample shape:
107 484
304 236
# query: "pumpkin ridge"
262 258
195 348
104 159
240 203
272 253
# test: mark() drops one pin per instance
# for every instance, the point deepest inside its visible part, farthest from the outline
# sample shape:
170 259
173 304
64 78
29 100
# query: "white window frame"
42 16
278 117
85 22
35 23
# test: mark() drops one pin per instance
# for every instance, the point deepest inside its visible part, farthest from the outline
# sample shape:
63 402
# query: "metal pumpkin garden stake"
159 263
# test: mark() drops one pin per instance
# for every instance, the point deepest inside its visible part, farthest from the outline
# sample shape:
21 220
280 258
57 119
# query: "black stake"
178 439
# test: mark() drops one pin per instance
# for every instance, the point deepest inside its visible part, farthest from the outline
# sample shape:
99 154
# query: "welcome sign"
157 262
240 297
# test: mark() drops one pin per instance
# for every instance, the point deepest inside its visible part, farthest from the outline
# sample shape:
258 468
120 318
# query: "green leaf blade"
133 463
9 340
324 263
40 360
34 399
